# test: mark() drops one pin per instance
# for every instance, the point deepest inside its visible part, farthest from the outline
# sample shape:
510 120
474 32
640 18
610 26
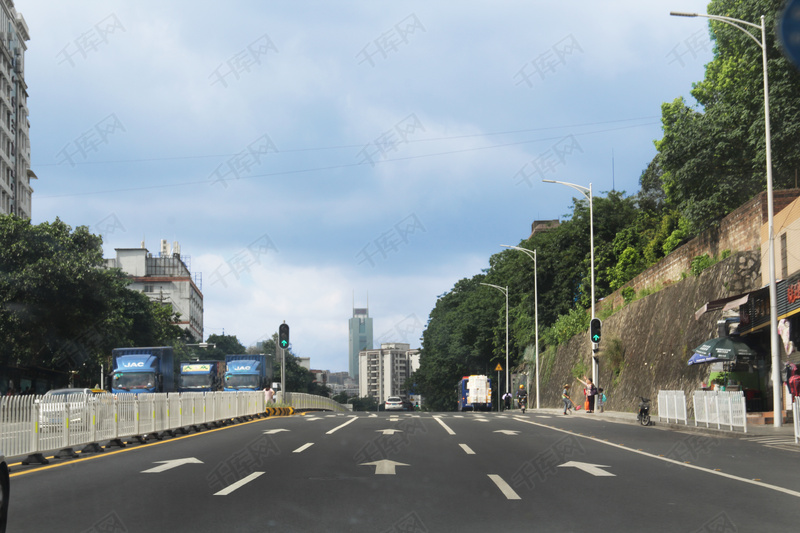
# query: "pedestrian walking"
566 399
601 400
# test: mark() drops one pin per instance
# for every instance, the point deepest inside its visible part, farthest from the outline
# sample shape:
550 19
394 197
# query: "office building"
383 372
167 279
360 338
15 146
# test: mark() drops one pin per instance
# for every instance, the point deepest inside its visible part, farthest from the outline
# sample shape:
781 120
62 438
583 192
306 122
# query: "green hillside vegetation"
710 160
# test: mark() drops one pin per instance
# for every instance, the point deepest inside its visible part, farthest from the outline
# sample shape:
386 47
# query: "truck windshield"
195 381
133 380
234 381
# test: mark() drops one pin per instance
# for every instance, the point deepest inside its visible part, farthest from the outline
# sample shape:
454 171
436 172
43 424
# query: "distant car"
54 403
4 493
394 403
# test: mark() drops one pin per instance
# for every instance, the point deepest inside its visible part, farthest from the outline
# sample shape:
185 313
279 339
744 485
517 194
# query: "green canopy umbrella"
721 349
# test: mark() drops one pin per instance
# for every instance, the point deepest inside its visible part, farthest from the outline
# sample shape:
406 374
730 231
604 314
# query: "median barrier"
30 427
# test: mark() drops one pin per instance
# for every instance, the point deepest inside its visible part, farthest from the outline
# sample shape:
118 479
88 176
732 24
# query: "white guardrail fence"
723 408
31 425
300 400
672 405
796 416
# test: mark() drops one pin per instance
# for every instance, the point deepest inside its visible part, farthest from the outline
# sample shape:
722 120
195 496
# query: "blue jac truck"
201 376
138 370
247 372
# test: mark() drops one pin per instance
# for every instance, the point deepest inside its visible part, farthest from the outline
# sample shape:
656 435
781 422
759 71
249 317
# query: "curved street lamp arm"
580 188
727 20
529 253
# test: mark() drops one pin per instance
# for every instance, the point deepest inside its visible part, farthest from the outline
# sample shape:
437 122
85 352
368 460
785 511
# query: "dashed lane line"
504 487
241 483
445 426
467 449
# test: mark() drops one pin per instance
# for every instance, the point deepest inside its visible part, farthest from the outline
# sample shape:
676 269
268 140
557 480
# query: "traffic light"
594 329
283 336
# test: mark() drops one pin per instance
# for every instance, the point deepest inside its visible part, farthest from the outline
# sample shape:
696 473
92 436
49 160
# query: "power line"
350 146
346 165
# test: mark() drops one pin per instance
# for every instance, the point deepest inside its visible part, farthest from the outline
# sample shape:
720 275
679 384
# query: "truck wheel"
4 493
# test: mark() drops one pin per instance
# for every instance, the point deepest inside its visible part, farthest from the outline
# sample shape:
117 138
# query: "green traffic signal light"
283 336
594 329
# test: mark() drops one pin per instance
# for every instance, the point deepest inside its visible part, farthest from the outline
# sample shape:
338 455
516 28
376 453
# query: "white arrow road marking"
273 431
507 431
389 431
467 449
166 465
384 466
504 487
242 482
304 447
445 426
595 470
761 484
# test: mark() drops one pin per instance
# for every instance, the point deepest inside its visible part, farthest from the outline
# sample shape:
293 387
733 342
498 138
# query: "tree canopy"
60 309
710 160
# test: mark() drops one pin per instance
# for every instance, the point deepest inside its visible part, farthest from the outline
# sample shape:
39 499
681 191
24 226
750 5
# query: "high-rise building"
360 337
167 279
15 146
384 371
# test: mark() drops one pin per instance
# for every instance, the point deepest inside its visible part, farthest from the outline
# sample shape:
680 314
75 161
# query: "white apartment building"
383 372
15 146
165 278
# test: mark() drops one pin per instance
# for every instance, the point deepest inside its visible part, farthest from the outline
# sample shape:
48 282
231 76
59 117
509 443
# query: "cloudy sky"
308 153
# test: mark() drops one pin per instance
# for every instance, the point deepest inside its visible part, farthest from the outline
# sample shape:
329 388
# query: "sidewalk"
753 430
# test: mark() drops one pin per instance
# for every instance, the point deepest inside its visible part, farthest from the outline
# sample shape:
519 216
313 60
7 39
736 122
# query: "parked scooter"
644 411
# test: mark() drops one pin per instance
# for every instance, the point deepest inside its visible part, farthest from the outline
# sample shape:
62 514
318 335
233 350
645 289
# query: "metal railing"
672 405
32 425
723 408
796 416
300 400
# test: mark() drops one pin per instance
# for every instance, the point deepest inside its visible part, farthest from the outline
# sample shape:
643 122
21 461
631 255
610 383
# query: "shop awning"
726 304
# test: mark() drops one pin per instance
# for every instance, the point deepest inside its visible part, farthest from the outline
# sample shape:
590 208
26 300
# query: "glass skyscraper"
360 337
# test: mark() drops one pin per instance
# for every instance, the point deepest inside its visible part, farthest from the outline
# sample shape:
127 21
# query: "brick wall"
739 231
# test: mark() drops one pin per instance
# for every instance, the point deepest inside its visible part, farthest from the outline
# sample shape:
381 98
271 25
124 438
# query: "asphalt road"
417 472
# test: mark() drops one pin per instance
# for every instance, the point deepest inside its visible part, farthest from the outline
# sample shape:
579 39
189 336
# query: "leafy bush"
566 327
628 294
700 263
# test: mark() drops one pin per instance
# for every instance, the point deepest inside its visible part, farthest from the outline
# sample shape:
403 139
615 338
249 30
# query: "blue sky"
305 152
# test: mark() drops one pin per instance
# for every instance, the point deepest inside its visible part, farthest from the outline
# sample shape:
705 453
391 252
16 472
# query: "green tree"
712 156
61 309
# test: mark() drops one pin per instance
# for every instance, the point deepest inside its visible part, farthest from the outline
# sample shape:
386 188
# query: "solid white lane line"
467 449
242 482
784 490
450 431
304 447
504 487
337 428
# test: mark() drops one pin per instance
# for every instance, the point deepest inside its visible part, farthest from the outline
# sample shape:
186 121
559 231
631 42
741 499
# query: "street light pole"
587 193
504 291
532 255
773 292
